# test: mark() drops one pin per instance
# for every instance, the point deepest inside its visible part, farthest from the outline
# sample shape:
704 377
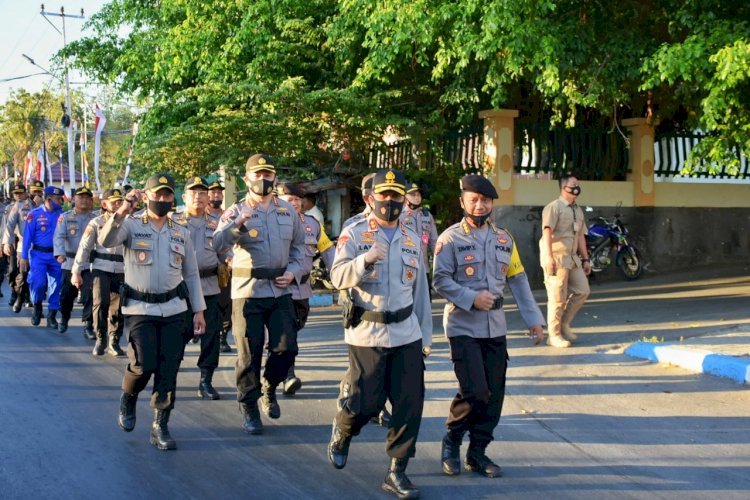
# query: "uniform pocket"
143 250
470 266
503 261
176 255
286 228
409 269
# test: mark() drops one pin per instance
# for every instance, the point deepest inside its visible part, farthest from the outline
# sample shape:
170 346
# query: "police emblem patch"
425 239
72 231
438 248
141 256
502 241
178 259
409 275
342 241
308 229
253 233
43 228
470 270
468 258
60 219
504 268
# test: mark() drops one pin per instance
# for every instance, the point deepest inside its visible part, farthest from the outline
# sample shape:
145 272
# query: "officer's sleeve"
422 306
28 236
433 235
348 268
328 257
227 234
58 240
9 236
88 243
549 216
443 270
326 248
519 286
114 232
192 277
296 264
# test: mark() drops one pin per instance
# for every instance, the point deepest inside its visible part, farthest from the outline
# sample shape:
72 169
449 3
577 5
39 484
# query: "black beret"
474 183
290 189
389 180
160 181
260 162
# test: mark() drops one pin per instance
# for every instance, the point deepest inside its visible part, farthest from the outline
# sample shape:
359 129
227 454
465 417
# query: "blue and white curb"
697 360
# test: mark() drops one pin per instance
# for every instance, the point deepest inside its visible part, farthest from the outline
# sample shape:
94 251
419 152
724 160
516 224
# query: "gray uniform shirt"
68 234
90 244
16 223
202 235
389 285
156 261
271 239
422 222
313 233
468 260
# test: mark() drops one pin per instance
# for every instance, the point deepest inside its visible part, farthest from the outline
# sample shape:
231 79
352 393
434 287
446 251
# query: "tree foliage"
307 80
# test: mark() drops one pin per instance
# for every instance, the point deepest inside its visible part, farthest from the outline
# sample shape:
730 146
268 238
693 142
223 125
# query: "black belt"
43 249
386 317
127 292
496 304
305 279
72 255
258 274
107 256
205 273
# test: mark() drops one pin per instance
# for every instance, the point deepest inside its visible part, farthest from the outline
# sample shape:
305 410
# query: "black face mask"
159 208
576 190
413 206
216 203
478 220
261 187
388 210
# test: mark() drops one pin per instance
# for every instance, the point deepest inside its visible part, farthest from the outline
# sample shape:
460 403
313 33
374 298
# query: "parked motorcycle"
320 279
607 236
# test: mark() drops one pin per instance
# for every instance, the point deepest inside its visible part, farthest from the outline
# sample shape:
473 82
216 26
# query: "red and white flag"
98 127
28 168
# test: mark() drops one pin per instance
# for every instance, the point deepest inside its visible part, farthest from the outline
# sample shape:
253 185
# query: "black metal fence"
671 150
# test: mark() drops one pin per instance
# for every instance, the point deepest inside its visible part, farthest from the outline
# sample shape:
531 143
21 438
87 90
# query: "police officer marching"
474 261
37 256
107 275
68 234
268 242
202 226
161 272
421 221
215 210
388 329
316 241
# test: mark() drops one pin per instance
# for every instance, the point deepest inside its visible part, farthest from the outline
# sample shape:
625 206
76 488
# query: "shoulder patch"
60 219
438 247
341 242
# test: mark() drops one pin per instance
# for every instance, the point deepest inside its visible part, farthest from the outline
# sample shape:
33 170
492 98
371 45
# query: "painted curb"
697 360
321 300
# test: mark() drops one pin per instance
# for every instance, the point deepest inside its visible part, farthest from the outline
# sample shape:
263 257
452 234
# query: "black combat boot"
383 419
268 400
36 315
126 418
292 383
205 389
63 326
88 331
13 297
114 348
100 345
397 482
52 319
251 422
338 448
18 304
477 461
450 453
160 432
223 344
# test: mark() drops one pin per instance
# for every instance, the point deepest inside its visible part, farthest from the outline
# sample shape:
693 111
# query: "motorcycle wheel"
630 262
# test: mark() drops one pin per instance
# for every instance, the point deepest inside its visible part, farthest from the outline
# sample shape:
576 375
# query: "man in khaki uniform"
565 261
107 274
161 272
269 245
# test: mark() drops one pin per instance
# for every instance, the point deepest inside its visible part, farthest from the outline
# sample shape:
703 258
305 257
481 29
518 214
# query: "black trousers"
250 318
69 293
301 312
16 279
209 356
107 314
480 366
379 373
224 303
154 348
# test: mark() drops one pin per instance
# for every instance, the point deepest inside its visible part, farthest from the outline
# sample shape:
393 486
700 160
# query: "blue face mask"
55 206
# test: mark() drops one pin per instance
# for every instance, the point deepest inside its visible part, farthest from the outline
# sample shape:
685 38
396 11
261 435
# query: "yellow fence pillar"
641 161
498 145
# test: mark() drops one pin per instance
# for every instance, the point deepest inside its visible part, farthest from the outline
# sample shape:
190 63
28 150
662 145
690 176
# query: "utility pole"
68 109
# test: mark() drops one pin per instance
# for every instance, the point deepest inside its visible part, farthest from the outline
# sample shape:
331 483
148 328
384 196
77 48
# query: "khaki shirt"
422 223
16 223
566 221
272 238
68 234
316 240
468 260
389 285
202 235
156 261
90 243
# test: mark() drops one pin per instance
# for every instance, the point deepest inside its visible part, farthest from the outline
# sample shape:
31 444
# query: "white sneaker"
557 341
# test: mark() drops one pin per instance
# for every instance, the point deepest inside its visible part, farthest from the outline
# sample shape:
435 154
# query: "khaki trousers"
567 290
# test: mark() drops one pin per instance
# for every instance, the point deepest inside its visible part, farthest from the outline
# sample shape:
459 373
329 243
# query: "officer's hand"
550 267
61 259
484 300
376 252
76 280
587 267
129 202
284 280
199 324
229 262
7 250
23 265
242 218
536 332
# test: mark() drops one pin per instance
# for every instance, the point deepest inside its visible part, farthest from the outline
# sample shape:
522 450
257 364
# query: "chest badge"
468 258
178 259
502 241
425 239
409 275
141 256
72 231
253 233
470 271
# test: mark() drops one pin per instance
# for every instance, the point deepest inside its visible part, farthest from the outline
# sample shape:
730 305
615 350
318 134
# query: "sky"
25 31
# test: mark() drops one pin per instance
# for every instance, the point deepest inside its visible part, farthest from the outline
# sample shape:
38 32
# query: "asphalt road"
586 422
